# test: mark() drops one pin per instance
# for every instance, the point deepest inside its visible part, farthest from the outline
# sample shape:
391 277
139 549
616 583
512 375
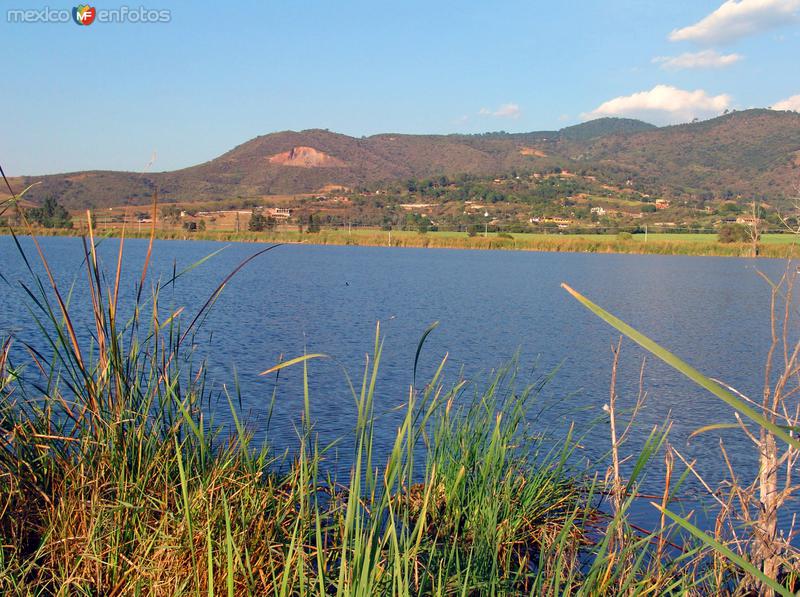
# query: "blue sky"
110 95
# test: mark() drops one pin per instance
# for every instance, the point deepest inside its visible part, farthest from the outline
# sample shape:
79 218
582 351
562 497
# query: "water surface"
489 304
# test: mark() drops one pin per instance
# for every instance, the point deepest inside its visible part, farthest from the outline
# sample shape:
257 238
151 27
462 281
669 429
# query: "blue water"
714 312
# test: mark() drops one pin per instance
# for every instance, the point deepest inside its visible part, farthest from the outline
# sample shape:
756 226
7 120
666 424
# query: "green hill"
602 127
748 153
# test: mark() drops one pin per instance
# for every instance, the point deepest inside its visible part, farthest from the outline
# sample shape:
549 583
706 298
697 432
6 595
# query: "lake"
713 312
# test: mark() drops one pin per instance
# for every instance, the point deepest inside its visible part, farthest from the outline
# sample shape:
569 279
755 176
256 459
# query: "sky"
164 95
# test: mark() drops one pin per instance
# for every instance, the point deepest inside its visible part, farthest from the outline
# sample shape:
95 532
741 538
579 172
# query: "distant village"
554 201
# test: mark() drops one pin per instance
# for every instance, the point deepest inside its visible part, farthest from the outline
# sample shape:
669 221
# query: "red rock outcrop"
306 157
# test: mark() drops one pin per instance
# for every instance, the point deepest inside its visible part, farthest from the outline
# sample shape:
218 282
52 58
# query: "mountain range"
742 154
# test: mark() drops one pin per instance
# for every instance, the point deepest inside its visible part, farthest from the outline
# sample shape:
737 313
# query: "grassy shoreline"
780 246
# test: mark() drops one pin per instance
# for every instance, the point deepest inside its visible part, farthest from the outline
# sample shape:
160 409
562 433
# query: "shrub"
50 215
171 214
734 233
259 222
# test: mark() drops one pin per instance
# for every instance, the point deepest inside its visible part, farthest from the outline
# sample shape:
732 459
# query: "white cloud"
733 20
504 111
703 59
790 103
663 104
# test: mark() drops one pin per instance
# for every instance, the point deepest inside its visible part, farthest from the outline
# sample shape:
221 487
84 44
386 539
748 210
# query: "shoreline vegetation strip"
660 245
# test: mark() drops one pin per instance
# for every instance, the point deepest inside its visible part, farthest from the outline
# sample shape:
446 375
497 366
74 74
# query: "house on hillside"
561 222
280 213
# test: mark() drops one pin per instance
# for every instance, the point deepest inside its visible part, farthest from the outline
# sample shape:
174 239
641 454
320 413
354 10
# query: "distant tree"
582 213
201 225
730 208
50 215
648 208
259 222
171 214
313 226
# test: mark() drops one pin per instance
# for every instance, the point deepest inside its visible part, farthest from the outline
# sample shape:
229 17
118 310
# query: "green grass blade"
228 547
683 367
425 335
719 547
294 361
712 427
210 555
